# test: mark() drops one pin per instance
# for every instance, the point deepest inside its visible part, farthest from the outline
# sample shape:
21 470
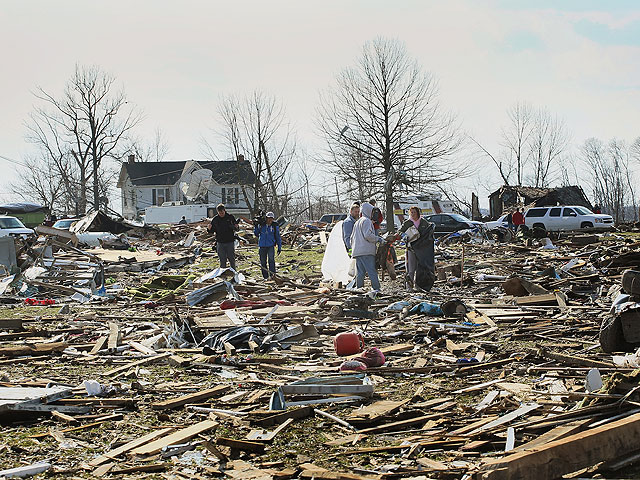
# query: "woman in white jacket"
363 248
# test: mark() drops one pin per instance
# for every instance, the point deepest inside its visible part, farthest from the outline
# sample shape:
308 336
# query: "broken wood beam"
191 398
568 454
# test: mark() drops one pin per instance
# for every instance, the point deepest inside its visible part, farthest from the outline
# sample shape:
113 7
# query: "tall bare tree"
611 177
255 127
548 141
516 137
385 109
82 128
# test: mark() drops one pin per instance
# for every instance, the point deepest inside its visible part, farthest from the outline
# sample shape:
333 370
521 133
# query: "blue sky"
578 59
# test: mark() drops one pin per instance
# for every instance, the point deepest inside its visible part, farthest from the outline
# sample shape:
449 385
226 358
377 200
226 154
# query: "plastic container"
348 343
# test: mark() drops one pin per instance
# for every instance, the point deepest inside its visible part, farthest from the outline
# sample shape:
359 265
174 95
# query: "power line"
13 161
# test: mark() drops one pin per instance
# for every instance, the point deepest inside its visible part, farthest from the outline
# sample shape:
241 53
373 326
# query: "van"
565 218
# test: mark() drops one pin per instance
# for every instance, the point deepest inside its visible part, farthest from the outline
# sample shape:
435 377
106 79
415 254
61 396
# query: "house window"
230 196
160 195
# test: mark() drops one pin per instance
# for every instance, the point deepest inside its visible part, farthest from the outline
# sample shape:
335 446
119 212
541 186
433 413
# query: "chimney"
240 158
132 159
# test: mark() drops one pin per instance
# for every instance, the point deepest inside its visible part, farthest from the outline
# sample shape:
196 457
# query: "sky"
580 59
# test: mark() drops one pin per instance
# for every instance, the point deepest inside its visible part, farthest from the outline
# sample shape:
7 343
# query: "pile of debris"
168 365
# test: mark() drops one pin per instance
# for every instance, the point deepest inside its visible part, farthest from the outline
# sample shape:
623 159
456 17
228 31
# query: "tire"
611 336
586 225
631 282
539 225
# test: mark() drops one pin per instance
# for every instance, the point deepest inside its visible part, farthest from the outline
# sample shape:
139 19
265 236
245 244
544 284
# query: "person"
183 221
509 220
518 219
363 248
268 238
376 216
225 226
420 256
347 226
597 209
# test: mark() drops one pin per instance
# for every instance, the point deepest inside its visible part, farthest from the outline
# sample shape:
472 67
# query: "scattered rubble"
140 357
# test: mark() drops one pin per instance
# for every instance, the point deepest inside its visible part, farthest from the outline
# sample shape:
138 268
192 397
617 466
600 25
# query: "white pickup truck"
571 217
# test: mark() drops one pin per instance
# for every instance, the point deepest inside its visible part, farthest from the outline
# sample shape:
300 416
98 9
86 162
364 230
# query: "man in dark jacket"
268 238
225 226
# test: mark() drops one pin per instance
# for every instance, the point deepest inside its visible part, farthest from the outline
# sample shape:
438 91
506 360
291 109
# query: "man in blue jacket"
268 238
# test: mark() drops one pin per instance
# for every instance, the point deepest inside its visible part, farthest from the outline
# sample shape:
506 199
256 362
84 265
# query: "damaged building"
509 196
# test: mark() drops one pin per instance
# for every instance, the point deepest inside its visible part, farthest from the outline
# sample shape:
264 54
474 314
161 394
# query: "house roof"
168 173
568 195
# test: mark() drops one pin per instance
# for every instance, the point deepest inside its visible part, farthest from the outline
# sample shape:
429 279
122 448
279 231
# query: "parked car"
13 226
451 222
571 217
65 223
332 217
500 222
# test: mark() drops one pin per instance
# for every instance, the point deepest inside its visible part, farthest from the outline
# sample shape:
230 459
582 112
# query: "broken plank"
99 345
523 410
278 418
114 337
144 361
191 398
568 454
243 445
400 425
37 349
116 452
177 437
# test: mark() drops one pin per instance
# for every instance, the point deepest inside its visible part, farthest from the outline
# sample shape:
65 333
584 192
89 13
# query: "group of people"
360 233
515 219
360 236
225 227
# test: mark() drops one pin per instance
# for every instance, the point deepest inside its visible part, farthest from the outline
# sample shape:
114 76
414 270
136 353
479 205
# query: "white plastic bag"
336 262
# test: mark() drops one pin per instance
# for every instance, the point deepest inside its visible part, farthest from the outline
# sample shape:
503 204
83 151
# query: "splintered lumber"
377 409
523 410
191 398
99 345
37 349
295 413
244 445
545 299
116 452
572 360
180 436
98 422
568 454
400 425
556 433
144 361
114 337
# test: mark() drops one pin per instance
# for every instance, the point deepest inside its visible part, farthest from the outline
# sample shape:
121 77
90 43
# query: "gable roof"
168 173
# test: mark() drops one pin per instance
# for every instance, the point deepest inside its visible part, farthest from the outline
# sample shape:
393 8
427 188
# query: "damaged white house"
145 184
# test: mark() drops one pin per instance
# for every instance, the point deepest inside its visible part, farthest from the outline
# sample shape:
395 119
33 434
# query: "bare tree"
386 109
154 150
515 138
47 190
548 140
610 176
82 128
255 128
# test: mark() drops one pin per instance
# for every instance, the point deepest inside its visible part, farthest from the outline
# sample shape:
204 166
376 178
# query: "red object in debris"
348 343
34 301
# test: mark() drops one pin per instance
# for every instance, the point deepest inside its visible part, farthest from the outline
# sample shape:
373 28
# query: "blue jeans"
367 264
270 253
